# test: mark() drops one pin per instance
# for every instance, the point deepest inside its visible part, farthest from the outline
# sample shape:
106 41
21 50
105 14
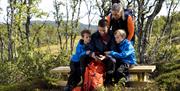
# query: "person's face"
116 14
102 30
118 38
87 38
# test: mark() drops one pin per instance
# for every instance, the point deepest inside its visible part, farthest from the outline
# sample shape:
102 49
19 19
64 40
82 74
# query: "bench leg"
139 77
145 77
142 77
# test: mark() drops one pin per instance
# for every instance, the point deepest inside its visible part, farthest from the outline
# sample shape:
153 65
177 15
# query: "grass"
55 49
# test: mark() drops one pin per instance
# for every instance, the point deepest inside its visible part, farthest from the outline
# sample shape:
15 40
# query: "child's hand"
88 52
101 57
107 52
94 56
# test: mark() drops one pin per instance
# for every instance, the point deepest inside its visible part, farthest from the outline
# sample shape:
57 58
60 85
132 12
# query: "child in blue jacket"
81 50
124 55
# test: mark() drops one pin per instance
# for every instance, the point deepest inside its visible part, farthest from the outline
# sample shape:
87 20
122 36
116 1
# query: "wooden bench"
141 71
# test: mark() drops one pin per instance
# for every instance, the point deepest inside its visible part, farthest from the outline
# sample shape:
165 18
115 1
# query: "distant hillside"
82 26
85 26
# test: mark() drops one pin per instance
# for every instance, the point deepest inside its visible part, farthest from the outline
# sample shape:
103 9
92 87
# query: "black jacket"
120 24
98 46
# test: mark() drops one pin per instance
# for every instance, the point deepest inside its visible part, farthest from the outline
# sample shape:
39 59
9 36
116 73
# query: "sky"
47 6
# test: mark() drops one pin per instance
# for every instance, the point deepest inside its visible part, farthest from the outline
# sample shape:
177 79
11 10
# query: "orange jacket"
130 25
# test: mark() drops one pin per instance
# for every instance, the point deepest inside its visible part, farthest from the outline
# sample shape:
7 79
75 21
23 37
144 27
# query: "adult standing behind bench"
119 20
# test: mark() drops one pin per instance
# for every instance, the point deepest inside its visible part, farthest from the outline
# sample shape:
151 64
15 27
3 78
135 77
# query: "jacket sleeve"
130 25
79 51
83 53
125 52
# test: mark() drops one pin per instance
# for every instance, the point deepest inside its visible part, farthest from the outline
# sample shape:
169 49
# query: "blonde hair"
119 7
121 32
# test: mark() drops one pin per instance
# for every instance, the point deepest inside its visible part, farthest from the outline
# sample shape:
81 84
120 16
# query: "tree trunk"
73 28
77 21
144 27
66 28
19 25
2 47
58 20
10 14
140 23
168 22
27 26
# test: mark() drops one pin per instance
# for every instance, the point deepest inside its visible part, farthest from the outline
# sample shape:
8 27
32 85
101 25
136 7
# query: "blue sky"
47 6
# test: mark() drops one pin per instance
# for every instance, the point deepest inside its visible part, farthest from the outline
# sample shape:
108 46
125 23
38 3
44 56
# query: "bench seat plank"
61 69
135 69
142 68
141 72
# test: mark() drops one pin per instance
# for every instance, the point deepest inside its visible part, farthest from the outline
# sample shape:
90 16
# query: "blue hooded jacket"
125 52
81 49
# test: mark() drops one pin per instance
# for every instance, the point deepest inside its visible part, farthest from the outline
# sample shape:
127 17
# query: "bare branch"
99 7
78 15
150 7
129 2
163 30
89 8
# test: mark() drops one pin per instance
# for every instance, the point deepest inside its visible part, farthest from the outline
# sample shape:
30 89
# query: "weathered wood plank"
61 69
135 69
141 71
142 68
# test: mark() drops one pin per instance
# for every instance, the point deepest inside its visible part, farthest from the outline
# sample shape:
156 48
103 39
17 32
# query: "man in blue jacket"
124 55
81 50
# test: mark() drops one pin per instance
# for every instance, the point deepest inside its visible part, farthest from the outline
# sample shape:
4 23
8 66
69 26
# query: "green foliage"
163 46
167 55
169 78
10 73
29 66
157 25
16 87
34 85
